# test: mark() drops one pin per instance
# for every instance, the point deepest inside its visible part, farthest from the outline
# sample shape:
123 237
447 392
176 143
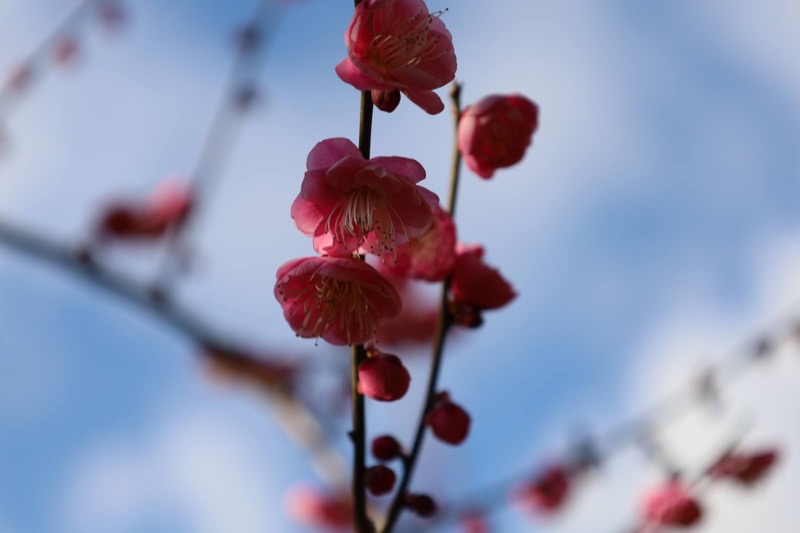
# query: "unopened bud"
386 448
421 505
383 378
449 422
379 480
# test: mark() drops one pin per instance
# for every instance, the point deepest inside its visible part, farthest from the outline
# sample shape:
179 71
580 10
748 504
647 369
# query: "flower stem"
443 325
361 520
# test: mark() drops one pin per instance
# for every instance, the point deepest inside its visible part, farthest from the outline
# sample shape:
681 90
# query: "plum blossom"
431 256
340 299
746 469
315 508
547 492
165 209
347 203
477 285
383 377
495 132
398 44
448 421
672 505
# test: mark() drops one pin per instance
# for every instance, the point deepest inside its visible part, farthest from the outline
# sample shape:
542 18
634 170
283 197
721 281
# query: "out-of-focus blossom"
546 493
379 480
339 299
672 505
448 421
746 469
348 203
315 508
495 132
477 285
473 522
383 377
112 15
65 51
164 210
249 368
431 256
19 79
398 44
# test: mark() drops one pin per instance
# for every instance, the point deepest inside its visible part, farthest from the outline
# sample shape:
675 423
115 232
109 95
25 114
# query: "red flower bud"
547 492
495 132
672 505
379 479
747 469
449 422
314 508
386 448
386 100
421 505
383 377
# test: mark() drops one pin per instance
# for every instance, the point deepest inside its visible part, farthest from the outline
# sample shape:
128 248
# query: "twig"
443 325
294 418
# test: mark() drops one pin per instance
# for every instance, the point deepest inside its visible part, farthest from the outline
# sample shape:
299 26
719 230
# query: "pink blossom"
348 203
314 508
431 256
398 44
164 210
672 505
547 492
383 377
746 469
449 422
495 132
340 299
477 285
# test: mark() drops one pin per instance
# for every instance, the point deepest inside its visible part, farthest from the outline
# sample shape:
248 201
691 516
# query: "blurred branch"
9 96
239 95
736 363
294 418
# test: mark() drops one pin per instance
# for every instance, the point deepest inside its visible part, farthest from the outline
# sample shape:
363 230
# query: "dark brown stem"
443 325
359 433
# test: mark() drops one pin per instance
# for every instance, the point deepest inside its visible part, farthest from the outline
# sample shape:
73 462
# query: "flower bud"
65 51
421 505
386 448
745 469
379 480
547 492
449 422
383 378
314 508
672 505
386 101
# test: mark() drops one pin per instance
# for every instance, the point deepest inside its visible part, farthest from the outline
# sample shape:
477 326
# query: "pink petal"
429 101
329 151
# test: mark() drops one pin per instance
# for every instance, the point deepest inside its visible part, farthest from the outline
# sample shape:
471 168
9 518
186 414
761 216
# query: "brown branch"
443 325
295 419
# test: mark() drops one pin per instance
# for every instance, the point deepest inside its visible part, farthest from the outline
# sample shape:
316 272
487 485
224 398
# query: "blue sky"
653 223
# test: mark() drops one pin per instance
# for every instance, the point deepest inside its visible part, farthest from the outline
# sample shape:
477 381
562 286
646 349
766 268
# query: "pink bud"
449 422
474 522
547 492
672 505
386 101
65 51
383 377
111 15
747 469
315 508
19 79
421 504
495 132
379 479
386 448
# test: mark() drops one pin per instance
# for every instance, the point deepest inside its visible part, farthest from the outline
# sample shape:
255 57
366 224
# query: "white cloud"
201 470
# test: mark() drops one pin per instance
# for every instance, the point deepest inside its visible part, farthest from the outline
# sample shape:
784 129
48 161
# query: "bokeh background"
653 225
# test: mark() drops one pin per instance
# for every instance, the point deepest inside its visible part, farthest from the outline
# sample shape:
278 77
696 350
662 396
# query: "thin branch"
443 325
294 418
